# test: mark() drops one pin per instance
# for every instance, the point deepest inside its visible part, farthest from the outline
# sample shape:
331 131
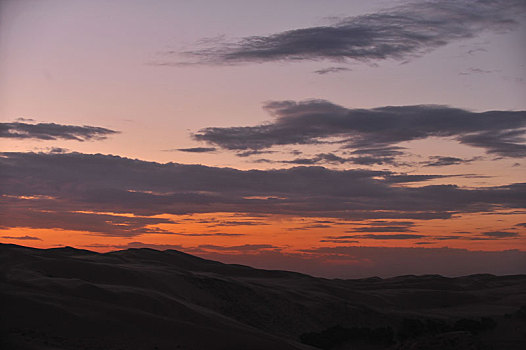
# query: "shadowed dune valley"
67 298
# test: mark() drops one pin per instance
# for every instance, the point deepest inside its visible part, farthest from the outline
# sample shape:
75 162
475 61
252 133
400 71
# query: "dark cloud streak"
195 149
437 161
500 234
22 238
331 70
399 33
375 132
52 131
382 229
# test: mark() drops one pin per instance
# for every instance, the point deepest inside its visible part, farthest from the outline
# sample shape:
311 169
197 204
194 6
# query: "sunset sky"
338 138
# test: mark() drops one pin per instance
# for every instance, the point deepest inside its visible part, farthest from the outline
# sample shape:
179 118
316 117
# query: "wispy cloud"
238 248
436 161
100 223
331 158
400 33
500 234
317 121
193 149
382 229
380 237
52 131
331 70
338 241
471 71
22 238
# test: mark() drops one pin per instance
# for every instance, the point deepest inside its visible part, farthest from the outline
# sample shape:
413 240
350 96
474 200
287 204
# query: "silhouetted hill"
66 298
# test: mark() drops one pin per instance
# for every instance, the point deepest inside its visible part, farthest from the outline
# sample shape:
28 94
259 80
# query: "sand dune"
66 298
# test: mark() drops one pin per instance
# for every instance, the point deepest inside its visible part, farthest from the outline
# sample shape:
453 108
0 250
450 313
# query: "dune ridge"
67 298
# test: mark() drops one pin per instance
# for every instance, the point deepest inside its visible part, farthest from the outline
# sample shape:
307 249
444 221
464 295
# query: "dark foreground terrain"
67 298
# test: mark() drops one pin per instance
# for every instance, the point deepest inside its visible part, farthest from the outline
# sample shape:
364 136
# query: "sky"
336 138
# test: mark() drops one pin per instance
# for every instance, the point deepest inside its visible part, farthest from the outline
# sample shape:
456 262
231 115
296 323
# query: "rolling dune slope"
67 298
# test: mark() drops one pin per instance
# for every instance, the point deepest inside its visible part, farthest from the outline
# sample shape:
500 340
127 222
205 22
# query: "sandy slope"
146 299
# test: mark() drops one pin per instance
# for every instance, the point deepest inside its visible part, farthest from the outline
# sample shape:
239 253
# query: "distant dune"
66 298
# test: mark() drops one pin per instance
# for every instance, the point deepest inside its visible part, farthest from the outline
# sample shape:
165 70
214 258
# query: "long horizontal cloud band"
75 182
312 121
398 33
52 131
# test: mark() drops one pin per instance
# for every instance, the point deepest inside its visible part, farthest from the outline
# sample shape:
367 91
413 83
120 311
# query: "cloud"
447 238
500 234
105 224
76 191
404 178
195 149
52 131
316 121
331 70
238 223
390 151
382 229
472 70
252 153
57 216
339 241
331 158
382 237
319 158
506 143
400 33
436 161
388 223
58 150
23 238
311 226
21 119
238 248
210 234
366 160
484 236
318 226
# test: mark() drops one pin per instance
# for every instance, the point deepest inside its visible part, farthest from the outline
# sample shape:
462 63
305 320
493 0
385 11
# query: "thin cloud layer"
315 121
22 238
387 237
52 131
60 218
331 158
437 161
500 234
400 228
331 70
398 33
238 248
196 149
75 191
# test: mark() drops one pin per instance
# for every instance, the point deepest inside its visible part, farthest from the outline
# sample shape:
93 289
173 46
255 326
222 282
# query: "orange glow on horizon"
284 233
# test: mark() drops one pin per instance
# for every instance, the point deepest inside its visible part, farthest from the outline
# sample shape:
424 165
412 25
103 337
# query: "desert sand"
66 298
